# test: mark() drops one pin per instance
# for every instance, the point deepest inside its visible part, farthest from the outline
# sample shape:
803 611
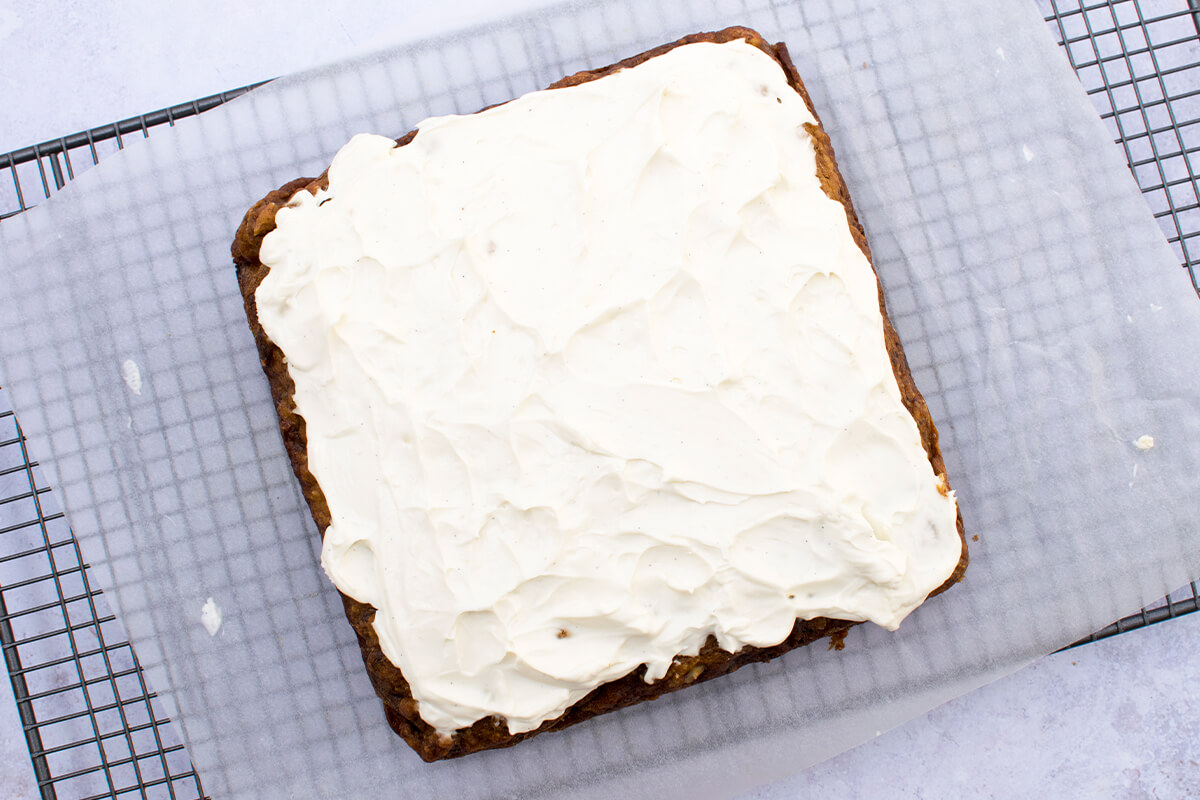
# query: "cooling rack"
92 724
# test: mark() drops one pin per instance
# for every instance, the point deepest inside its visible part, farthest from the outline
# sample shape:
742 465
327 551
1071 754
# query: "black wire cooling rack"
93 726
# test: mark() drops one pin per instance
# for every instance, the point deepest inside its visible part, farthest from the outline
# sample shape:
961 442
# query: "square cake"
593 394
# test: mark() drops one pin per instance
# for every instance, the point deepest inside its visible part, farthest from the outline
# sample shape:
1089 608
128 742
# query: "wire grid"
1139 62
48 166
91 723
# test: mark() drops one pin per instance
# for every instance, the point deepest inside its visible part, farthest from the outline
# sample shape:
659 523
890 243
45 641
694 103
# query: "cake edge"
388 681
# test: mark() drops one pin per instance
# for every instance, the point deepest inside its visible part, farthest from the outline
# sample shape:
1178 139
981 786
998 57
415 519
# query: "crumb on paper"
975 538
132 376
210 617
1143 442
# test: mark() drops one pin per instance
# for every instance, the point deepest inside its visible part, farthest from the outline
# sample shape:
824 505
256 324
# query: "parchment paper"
1042 313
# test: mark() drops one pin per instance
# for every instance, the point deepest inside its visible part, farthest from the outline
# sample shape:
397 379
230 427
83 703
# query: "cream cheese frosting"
592 375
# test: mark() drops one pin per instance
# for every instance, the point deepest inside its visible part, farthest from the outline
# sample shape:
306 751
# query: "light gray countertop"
1119 718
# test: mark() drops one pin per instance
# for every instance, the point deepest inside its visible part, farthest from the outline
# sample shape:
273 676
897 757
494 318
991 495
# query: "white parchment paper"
1042 313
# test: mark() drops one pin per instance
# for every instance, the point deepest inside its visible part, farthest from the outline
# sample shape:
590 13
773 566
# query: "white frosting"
210 617
592 375
132 375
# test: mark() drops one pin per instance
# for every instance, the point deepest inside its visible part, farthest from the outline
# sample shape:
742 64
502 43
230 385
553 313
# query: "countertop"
1118 718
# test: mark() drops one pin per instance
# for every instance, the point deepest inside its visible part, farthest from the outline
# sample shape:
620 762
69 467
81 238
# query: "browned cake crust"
390 685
